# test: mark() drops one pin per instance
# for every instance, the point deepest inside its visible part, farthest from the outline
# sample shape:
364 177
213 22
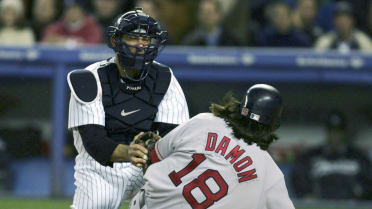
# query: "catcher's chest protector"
129 111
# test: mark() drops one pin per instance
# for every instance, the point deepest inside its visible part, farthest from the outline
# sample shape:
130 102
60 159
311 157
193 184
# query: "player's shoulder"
167 71
204 116
163 76
84 83
160 67
203 119
100 64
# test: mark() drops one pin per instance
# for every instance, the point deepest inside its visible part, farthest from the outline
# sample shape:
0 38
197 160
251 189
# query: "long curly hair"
248 130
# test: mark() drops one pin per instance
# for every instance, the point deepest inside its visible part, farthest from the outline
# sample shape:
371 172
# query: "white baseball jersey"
101 186
202 165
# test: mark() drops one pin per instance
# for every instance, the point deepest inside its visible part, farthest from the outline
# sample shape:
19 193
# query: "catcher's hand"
139 149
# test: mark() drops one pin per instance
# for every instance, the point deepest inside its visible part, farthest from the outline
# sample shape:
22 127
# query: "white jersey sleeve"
277 196
82 113
173 108
166 146
275 189
176 139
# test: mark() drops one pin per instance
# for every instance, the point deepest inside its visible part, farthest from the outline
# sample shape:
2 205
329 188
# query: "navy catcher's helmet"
263 104
138 24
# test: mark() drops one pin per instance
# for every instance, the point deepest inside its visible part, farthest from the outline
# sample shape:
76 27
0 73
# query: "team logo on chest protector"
123 113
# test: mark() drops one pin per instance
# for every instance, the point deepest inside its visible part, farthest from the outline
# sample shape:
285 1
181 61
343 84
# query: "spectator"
44 12
346 36
76 27
335 169
239 22
148 7
360 8
369 20
13 29
281 32
178 15
105 11
258 8
304 19
209 30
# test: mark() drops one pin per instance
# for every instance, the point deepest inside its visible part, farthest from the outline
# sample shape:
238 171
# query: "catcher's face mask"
137 40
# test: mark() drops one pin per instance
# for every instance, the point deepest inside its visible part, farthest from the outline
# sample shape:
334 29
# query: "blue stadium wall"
311 83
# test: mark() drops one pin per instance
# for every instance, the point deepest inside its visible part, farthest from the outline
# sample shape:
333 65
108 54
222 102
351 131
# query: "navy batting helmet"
136 24
263 104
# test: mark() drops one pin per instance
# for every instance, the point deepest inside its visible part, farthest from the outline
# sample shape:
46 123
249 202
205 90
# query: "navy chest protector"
131 109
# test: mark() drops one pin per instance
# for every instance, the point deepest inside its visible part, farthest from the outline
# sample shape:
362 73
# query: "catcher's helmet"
138 24
263 103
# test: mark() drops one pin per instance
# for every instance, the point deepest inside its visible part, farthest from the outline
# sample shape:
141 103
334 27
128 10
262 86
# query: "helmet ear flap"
109 33
114 40
112 37
163 36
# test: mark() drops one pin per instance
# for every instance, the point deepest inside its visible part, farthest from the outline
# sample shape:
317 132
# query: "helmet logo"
254 117
244 111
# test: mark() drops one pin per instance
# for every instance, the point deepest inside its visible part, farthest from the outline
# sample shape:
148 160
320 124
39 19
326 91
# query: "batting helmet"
263 103
136 24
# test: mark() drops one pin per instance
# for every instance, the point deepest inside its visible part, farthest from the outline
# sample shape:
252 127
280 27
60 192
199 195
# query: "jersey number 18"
200 182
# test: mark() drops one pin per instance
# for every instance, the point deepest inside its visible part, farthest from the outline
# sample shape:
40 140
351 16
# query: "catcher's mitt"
148 140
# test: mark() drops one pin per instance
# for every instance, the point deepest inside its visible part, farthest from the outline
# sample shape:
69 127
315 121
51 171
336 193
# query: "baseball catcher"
115 99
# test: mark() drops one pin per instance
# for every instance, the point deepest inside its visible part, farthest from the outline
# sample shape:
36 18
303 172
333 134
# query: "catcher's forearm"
96 142
120 154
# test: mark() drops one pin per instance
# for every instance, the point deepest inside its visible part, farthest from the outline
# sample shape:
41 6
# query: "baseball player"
219 159
112 101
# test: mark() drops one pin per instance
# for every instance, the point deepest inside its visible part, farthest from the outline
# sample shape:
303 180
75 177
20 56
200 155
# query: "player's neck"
125 71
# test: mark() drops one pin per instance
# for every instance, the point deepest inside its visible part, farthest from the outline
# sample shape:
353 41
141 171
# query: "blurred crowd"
322 24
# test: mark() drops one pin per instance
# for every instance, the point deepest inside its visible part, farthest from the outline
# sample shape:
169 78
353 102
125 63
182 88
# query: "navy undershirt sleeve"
163 128
96 142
